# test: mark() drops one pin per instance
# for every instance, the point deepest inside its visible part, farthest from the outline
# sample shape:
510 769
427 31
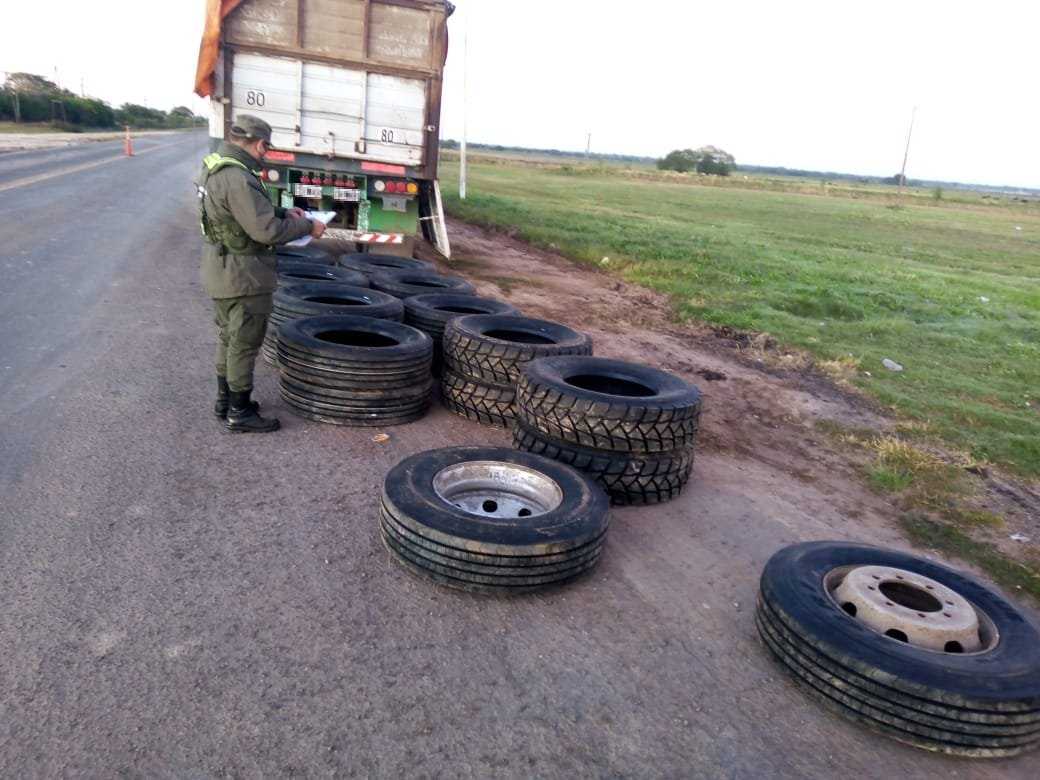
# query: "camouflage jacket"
243 226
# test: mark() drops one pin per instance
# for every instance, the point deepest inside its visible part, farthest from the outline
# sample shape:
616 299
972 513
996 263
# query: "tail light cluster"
328 180
396 187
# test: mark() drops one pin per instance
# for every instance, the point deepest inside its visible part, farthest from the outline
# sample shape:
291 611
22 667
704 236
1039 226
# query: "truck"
352 91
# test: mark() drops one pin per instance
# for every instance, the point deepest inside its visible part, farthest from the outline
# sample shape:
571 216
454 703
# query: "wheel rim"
497 489
911 608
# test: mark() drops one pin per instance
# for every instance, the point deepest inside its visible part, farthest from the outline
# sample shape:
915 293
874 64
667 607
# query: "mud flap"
431 211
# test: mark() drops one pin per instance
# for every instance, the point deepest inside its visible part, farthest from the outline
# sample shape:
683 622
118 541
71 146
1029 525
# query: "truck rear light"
306 179
379 186
271 175
413 188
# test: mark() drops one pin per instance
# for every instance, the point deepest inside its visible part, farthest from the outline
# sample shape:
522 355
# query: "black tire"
494 347
983 704
405 284
432 312
608 405
369 264
479 401
317 299
628 478
297 273
355 370
423 522
305 254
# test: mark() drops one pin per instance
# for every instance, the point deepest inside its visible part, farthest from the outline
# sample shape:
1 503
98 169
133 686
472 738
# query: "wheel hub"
910 608
497 489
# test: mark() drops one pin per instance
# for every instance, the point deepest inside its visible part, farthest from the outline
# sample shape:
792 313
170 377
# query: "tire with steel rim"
608 405
906 646
355 370
491 519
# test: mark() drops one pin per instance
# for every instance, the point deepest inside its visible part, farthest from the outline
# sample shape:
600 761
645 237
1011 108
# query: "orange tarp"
216 11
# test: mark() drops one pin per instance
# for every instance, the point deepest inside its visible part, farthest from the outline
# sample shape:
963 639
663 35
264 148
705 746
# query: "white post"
906 154
465 105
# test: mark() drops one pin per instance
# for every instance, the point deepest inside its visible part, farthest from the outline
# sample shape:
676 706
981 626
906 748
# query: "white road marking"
24 182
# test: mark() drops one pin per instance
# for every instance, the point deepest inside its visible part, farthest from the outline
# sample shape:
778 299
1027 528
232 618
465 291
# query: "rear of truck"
352 91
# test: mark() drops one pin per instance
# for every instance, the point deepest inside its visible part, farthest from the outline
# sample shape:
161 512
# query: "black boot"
220 409
243 417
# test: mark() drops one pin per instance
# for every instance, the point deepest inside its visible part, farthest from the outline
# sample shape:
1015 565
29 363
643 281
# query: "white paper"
324 217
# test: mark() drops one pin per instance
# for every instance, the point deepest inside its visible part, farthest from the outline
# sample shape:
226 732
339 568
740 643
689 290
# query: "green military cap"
252 127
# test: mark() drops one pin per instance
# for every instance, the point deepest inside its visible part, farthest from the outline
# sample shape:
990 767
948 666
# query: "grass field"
949 288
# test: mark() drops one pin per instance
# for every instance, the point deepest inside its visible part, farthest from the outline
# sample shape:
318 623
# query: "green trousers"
241 325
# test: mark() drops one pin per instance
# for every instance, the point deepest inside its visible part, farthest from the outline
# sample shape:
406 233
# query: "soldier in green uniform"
239 267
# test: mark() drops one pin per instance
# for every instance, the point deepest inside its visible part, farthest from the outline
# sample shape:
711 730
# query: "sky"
803 84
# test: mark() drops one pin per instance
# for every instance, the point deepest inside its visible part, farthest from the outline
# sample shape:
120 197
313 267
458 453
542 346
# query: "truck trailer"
352 91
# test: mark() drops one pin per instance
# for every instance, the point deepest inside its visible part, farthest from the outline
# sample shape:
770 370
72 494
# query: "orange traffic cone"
128 143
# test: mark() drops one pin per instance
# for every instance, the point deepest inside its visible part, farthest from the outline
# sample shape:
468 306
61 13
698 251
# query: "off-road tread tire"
628 478
481 402
601 422
496 361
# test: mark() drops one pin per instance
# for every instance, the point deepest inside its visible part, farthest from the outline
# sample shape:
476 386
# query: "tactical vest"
227 233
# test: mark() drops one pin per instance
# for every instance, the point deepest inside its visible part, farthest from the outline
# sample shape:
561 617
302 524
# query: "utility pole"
82 91
906 154
588 145
465 104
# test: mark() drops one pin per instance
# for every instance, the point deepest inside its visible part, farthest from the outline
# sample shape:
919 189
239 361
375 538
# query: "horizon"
810 86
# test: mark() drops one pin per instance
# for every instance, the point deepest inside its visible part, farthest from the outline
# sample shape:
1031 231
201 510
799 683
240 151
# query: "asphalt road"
178 602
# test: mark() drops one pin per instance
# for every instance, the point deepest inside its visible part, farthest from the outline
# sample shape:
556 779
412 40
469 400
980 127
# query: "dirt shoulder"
764 408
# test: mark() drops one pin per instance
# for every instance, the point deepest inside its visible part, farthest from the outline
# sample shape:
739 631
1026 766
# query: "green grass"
1015 576
27 127
853 277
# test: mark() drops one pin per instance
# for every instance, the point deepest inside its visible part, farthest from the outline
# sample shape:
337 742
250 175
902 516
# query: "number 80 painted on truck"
352 91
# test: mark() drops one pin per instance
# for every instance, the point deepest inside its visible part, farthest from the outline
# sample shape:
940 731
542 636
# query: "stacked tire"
492 520
317 299
304 254
369 264
980 701
405 284
356 371
629 427
431 314
483 357
296 272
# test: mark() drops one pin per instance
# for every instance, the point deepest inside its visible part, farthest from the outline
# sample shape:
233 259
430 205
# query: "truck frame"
352 91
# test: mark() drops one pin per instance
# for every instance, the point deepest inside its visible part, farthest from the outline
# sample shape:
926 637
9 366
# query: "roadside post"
128 143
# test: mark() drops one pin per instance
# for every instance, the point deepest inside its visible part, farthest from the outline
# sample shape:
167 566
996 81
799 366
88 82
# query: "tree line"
26 97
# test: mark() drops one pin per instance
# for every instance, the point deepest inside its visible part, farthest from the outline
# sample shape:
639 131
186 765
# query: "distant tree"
183 111
31 84
897 180
681 160
707 159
